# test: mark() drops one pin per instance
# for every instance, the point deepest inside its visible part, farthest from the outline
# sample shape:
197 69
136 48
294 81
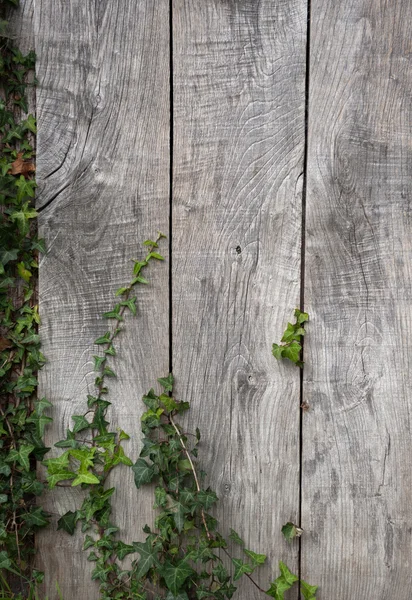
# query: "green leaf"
167 382
123 550
68 522
168 402
131 305
290 531
23 272
138 266
292 352
80 423
40 422
122 290
63 475
30 124
36 518
180 596
98 362
257 559
283 583
143 472
207 498
41 405
22 217
236 538
21 456
148 557
87 477
241 568
301 317
176 575
155 255
5 562
7 255
139 279
308 591
104 339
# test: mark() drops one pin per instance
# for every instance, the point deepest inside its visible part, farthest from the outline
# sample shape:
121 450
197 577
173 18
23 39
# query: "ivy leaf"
143 472
30 123
23 272
167 382
80 423
207 498
236 538
26 188
21 456
68 522
148 557
104 339
283 583
292 352
176 575
41 405
40 422
36 518
123 550
155 255
241 568
87 477
308 591
131 305
257 559
301 317
180 596
290 531
21 217
7 255
5 562
98 361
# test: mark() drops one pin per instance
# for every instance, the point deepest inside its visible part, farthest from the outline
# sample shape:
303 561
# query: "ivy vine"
184 556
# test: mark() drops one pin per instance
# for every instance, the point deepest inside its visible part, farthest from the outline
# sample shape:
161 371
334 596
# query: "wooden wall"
271 140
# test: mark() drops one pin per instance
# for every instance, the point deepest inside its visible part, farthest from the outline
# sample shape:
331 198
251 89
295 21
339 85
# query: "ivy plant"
22 417
183 554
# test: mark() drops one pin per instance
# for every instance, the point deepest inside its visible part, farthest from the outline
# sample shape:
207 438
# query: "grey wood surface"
239 91
103 174
357 451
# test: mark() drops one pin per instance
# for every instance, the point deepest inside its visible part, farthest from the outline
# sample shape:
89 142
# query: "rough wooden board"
103 174
357 509
239 87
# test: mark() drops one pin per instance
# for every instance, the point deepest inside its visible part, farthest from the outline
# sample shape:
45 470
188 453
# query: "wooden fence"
241 128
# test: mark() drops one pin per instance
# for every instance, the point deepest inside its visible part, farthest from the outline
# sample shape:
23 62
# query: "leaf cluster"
183 556
22 418
292 339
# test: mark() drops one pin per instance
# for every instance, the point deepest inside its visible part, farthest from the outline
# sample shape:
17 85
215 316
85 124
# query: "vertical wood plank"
239 87
103 174
357 511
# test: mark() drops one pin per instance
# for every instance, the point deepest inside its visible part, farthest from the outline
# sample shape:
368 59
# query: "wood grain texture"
357 510
239 85
103 174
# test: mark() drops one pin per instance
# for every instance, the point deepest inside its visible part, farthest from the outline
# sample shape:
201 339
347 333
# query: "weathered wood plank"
357 511
103 173
239 75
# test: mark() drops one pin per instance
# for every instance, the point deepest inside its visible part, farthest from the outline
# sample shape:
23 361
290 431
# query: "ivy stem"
189 458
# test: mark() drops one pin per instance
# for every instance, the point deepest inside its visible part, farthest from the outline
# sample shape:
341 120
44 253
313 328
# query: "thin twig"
192 466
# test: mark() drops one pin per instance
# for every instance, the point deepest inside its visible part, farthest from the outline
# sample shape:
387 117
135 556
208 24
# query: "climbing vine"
184 556
22 418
